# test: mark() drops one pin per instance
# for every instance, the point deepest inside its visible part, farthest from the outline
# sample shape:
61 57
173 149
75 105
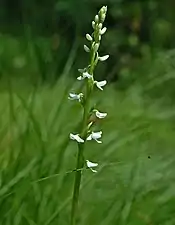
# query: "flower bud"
86 48
88 37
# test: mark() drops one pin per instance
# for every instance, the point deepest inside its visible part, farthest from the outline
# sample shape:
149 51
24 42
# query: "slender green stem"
80 164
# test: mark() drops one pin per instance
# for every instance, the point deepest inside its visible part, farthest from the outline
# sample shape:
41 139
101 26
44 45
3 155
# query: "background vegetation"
41 48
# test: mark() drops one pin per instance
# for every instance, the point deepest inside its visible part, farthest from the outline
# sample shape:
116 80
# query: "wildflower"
103 58
84 75
95 136
100 84
76 137
91 165
100 115
73 96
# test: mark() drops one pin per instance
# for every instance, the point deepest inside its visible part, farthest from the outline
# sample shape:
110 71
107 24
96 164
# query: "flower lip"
76 137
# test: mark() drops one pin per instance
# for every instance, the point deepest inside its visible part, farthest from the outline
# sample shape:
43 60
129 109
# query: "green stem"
78 173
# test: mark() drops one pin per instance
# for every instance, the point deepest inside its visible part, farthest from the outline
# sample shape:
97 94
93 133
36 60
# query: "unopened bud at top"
103 10
102 14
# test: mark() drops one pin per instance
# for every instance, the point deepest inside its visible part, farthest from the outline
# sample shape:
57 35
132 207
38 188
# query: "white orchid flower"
95 136
73 96
100 84
76 137
84 75
100 115
91 165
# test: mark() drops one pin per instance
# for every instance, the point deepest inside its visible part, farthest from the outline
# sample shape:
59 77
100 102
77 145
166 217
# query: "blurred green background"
41 48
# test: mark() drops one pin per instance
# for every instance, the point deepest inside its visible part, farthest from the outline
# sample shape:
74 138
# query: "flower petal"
86 74
91 164
73 96
76 137
103 30
89 138
100 84
103 58
95 136
80 78
100 115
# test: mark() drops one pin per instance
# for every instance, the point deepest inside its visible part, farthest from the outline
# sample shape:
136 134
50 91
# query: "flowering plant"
86 132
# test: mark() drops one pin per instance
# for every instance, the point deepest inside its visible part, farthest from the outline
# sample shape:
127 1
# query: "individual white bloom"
76 137
103 30
88 37
86 48
100 84
100 115
95 136
103 58
91 165
84 75
73 96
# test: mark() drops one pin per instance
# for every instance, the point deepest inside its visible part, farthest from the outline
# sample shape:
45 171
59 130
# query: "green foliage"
36 159
135 29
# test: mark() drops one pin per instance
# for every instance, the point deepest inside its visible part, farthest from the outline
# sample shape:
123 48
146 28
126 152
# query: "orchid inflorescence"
90 114
86 76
